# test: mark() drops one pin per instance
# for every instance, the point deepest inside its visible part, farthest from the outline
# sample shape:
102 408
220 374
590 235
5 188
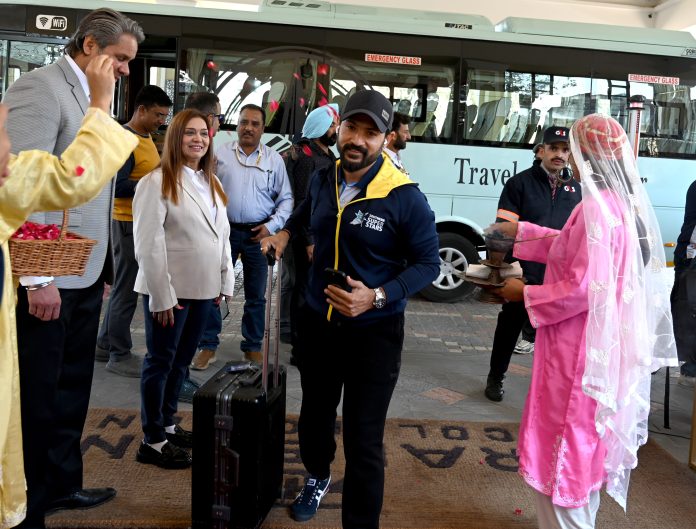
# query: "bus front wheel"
456 253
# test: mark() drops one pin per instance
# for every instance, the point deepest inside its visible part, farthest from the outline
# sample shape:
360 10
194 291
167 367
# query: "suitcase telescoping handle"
270 258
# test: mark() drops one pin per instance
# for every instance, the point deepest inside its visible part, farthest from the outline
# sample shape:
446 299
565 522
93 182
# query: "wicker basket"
58 257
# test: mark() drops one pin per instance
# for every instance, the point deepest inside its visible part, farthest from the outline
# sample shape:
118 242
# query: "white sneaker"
524 347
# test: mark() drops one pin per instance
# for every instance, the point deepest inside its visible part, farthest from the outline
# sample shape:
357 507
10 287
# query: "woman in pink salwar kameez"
603 325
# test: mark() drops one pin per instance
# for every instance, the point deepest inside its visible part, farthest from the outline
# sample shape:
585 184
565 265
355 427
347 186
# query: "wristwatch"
380 298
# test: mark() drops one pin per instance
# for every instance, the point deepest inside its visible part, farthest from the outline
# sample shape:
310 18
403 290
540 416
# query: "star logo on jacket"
374 222
358 220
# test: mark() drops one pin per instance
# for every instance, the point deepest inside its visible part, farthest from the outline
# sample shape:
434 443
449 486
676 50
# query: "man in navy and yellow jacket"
372 223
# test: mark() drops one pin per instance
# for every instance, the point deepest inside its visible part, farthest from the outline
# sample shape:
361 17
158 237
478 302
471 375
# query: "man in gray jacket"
57 320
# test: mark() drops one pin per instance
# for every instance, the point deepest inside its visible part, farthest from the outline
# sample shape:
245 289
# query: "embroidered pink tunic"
559 449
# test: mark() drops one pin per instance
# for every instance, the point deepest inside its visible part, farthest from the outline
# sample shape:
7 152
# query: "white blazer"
182 252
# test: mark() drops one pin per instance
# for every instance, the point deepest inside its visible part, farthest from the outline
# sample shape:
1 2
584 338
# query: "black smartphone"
338 278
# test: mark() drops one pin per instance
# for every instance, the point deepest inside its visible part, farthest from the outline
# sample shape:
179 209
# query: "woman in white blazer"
181 236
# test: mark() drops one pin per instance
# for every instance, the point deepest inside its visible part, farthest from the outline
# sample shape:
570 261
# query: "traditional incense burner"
498 246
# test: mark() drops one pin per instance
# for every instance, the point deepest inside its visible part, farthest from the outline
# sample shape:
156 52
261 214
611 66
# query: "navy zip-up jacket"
687 227
384 237
527 197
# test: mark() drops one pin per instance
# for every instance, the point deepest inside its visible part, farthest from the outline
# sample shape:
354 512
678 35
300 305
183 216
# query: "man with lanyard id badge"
260 202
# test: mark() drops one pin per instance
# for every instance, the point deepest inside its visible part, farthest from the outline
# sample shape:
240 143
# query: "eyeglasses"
220 117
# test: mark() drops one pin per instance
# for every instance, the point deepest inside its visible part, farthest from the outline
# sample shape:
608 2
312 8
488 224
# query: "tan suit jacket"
182 252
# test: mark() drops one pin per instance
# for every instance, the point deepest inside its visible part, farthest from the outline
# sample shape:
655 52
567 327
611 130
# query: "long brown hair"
173 159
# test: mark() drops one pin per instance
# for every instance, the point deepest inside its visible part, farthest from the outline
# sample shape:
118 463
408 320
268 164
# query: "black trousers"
56 364
686 350
295 278
363 362
512 319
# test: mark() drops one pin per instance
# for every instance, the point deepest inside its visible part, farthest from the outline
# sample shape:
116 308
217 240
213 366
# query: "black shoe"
188 388
171 456
494 388
81 499
101 354
181 438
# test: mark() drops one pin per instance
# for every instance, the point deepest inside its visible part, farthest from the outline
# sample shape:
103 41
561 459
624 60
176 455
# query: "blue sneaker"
188 388
307 502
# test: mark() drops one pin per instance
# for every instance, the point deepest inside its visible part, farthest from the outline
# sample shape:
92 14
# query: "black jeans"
363 362
56 364
169 353
511 320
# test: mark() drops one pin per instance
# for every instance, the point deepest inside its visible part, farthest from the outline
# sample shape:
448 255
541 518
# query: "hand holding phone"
338 278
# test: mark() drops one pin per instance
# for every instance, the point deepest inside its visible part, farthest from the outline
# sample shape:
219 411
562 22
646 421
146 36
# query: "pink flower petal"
323 69
302 101
79 170
323 101
321 88
307 150
296 76
274 105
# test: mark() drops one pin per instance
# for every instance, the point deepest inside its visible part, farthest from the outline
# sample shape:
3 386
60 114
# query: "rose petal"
296 76
323 69
306 150
274 105
323 101
321 88
302 101
79 170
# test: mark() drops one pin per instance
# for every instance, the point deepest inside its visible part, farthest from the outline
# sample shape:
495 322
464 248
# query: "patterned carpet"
440 474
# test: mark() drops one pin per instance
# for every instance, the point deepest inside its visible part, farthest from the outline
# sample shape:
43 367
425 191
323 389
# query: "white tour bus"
479 96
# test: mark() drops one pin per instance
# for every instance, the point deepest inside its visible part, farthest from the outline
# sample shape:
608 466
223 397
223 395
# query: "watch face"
380 300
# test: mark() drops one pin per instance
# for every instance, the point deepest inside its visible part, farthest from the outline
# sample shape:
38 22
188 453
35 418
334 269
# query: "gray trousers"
114 333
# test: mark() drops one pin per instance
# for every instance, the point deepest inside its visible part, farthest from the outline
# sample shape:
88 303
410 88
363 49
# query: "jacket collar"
381 182
74 82
187 185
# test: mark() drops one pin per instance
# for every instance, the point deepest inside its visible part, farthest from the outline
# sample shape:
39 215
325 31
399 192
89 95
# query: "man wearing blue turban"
308 155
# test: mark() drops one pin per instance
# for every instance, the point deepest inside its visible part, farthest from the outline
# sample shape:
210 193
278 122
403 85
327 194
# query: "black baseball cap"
372 104
556 135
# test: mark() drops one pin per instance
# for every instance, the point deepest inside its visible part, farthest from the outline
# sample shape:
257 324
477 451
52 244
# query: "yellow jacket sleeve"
40 181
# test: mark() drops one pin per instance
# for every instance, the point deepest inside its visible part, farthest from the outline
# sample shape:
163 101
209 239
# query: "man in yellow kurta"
39 181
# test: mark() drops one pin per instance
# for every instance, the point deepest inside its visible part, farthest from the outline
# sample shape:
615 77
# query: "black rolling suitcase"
239 437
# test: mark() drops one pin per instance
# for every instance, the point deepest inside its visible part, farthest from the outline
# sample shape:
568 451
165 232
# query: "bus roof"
318 13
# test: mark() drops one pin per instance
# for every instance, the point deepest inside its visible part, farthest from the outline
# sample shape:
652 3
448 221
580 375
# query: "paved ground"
444 368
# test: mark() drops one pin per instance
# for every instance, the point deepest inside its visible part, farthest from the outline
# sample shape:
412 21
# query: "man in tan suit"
57 321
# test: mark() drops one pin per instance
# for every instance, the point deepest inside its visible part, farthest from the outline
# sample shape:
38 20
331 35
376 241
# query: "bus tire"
456 253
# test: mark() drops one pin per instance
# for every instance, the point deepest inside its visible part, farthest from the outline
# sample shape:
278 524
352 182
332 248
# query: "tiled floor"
444 367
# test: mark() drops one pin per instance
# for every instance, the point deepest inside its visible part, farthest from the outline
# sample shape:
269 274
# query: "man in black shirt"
307 156
683 255
544 194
